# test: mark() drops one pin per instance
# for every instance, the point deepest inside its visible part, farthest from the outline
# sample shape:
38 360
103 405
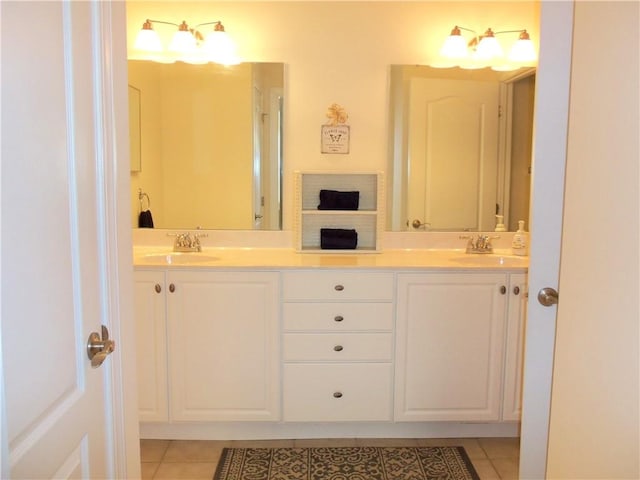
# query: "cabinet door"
151 341
223 345
516 324
449 346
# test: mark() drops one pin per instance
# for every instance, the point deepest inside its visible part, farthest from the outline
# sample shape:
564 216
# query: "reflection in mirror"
211 142
134 128
460 148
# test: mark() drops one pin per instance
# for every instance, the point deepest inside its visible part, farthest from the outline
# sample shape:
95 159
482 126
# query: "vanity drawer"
337 316
337 392
337 347
337 285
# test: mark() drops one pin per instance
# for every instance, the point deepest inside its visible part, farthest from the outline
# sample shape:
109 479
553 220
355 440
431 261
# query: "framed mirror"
460 148
211 143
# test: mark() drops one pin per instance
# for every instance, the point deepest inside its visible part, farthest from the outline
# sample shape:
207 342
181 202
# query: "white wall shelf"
367 220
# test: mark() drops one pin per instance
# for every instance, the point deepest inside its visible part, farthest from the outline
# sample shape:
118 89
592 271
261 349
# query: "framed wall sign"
335 139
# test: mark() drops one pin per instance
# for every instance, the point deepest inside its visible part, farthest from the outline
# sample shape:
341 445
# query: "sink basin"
489 260
178 258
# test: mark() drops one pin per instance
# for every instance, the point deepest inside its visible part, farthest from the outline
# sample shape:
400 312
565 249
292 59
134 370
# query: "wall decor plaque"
334 136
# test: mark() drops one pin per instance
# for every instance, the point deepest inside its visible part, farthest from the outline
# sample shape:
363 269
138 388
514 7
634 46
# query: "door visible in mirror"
457 139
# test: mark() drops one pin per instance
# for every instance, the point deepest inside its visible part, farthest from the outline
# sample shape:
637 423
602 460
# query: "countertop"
284 258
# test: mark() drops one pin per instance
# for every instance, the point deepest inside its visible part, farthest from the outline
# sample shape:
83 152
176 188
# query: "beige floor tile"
507 468
261 444
501 447
471 445
153 450
326 442
149 469
485 469
186 471
194 451
387 442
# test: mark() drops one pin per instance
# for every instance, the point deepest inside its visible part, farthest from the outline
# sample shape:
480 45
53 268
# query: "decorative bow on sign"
336 114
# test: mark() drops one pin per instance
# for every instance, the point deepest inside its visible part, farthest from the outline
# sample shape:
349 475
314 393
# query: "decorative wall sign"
335 135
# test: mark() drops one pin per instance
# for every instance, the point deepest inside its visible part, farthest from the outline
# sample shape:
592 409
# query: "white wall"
594 430
338 52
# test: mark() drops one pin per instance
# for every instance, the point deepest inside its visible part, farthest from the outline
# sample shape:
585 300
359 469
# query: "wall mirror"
211 145
459 148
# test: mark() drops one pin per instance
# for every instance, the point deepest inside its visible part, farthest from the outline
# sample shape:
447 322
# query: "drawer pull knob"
337 394
516 290
339 288
158 288
172 287
338 318
338 348
503 289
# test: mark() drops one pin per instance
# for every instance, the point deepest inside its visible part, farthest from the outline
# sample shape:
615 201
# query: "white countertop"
282 258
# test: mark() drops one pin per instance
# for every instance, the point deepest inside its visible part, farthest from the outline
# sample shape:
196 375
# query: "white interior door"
550 144
58 410
453 153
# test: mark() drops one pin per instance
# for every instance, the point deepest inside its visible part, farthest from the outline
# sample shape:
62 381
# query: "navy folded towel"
145 220
336 200
338 239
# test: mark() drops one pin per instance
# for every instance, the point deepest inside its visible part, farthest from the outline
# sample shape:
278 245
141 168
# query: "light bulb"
455 46
523 50
219 47
147 39
183 42
488 47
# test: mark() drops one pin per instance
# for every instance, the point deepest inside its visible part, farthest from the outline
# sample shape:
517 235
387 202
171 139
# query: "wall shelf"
367 220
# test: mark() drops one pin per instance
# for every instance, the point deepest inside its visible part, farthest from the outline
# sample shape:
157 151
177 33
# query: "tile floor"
493 458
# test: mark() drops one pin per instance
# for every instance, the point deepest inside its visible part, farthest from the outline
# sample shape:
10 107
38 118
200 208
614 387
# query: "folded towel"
338 239
145 220
336 200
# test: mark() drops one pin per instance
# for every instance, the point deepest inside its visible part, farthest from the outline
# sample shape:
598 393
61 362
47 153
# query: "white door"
60 416
453 152
550 140
595 406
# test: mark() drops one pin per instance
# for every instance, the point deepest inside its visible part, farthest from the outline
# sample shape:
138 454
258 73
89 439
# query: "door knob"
418 224
98 348
548 296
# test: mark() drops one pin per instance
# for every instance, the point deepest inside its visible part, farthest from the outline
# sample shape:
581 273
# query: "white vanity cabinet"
450 345
151 343
337 346
514 354
223 344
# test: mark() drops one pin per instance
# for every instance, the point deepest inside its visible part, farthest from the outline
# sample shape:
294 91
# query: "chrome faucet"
479 244
186 242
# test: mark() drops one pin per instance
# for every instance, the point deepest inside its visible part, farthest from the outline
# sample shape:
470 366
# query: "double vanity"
272 343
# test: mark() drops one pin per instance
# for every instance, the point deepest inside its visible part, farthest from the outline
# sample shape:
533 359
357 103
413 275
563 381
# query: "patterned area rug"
345 463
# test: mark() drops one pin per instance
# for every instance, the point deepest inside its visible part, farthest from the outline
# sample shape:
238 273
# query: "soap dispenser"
520 242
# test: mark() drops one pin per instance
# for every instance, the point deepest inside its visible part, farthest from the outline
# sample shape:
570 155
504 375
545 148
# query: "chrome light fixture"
485 50
187 45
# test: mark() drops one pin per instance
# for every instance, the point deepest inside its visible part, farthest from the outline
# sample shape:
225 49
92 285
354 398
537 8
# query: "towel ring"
141 197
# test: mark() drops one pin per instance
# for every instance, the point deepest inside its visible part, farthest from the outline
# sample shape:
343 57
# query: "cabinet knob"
338 348
338 318
172 287
516 290
339 288
503 289
337 394
158 288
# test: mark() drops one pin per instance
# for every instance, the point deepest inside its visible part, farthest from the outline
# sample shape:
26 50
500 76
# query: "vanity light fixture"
188 45
485 50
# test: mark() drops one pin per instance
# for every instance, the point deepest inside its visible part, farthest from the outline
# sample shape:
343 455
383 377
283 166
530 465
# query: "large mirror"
211 145
460 148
